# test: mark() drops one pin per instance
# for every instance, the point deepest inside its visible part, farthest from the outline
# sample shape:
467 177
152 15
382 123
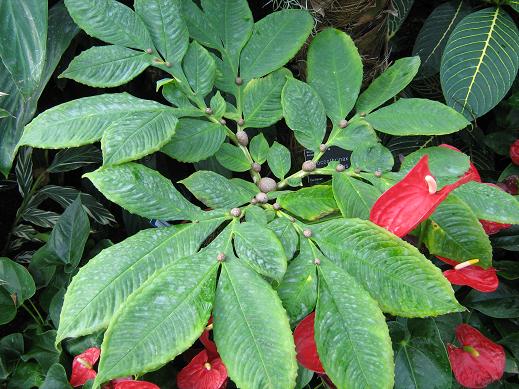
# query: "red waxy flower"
405 205
305 344
493 227
484 280
478 361
134 385
83 366
209 345
203 373
514 152
473 172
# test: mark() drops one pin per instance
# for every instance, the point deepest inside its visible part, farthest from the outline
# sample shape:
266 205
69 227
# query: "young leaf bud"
220 257
343 123
317 261
149 50
267 184
256 167
238 81
262 198
276 206
235 212
242 137
308 166
307 233
340 168
357 170
223 122
254 201
378 173
240 122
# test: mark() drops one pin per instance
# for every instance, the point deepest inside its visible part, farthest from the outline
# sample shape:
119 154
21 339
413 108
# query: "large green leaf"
166 26
268 48
200 69
232 20
372 157
74 158
195 140
388 84
110 21
335 72
249 317
298 289
262 99
199 25
16 280
285 231
107 66
259 148
489 203
480 61
215 190
304 113
107 280
309 203
7 306
137 134
350 332
354 197
502 304
232 158
395 273
82 121
56 378
261 249
161 319
455 233
23 43
143 191
417 117
435 32
357 133
421 359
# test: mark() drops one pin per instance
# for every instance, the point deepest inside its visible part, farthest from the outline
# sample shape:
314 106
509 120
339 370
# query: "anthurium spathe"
305 344
134 385
83 366
203 372
484 280
412 200
478 361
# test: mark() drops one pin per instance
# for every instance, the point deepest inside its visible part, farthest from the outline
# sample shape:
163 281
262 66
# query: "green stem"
36 310
32 314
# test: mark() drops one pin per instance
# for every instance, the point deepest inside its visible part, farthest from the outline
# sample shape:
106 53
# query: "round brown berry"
343 123
323 148
236 212
378 173
317 261
238 81
223 122
242 137
254 201
208 111
267 184
240 122
168 64
149 50
220 257
514 152
340 168
357 170
256 167
307 233
262 198
276 206
308 166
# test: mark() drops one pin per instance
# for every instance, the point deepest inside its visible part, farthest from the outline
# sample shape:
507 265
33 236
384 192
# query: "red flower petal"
484 280
135 385
514 152
493 227
473 172
479 364
82 366
305 344
207 342
202 373
405 205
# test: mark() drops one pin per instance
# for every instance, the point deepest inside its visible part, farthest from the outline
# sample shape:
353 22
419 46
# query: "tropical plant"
268 253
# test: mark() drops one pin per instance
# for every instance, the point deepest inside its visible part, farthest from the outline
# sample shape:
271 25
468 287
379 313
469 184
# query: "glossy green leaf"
388 84
137 135
215 191
259 148
23 171
107 66
42 349
98 290
74 158
259 247
194 140
279 160
199 25
161 319
143 191
164 21
172 93
82 121
356 134
350 332
268 48
421 359
232 158
417 117
304 113
395 273
396 19
262 99
298 289
480 61
436 30
26 375
310 203
256 215
218 105
11 349
371 158
489 203
7 307
56 378
248 316
335 72
200 69
225 74
443 162
23 43
286 233
455 233
354 197
503 303
110 21
16 280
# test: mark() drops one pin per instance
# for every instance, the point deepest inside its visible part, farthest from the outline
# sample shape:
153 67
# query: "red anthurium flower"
305 344
134 385
203 373
478 361
405 205
484 280
209 345
83 366
493 227
473 172
514 152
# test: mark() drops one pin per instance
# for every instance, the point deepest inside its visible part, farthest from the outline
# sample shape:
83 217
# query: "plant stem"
32 314
36 310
